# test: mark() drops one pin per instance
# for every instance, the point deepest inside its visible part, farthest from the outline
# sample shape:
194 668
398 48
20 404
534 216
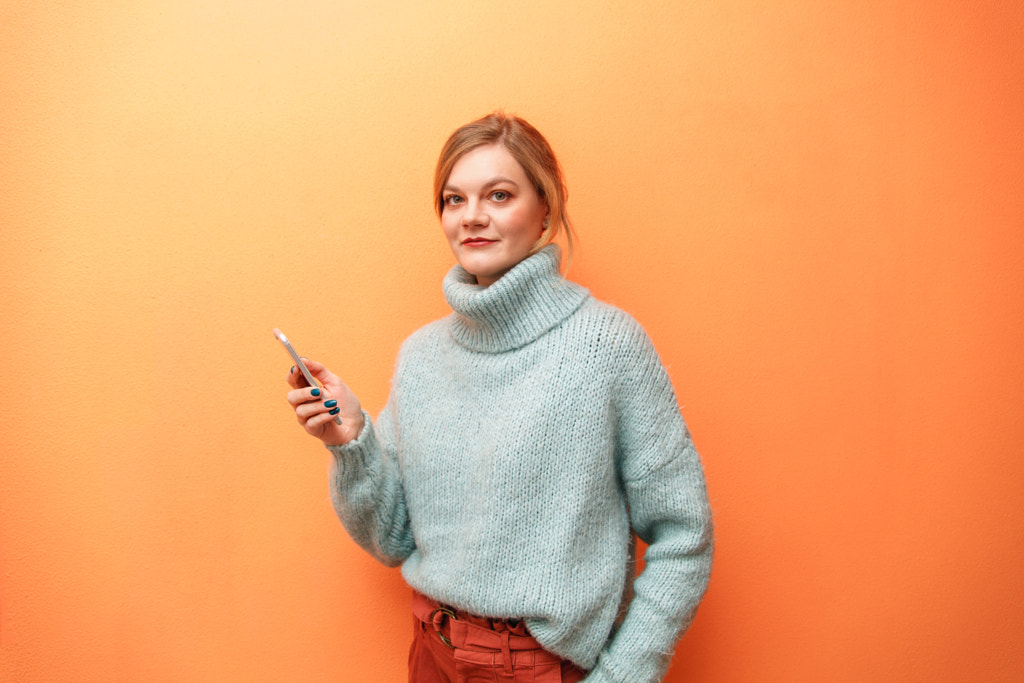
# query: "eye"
452 200
499 195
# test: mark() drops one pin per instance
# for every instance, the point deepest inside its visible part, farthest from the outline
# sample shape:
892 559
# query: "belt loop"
506 652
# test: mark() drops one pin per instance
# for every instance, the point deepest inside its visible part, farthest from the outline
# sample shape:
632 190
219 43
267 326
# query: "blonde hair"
528 147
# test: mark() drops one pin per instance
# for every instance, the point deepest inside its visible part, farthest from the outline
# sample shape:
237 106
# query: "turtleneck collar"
523 304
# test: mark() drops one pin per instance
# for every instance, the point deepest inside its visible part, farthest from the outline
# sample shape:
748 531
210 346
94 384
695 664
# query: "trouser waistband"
469 631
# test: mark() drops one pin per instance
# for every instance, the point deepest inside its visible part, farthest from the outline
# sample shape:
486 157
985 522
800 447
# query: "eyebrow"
489 184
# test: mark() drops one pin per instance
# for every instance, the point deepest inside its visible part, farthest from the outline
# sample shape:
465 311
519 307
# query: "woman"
526 436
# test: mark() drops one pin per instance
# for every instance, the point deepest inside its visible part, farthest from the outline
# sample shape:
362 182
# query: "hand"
316 408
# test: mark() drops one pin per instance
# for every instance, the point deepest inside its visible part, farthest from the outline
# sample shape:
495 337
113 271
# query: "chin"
487 274
480 267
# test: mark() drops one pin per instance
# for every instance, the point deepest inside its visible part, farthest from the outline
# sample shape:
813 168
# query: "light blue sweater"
525 434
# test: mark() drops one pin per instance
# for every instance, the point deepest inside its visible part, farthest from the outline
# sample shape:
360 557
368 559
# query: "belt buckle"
448 612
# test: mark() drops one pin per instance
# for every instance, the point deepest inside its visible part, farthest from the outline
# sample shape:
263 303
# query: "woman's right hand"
314 405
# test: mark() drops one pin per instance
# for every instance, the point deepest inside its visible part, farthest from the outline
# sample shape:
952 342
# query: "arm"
367 493
664 484
366 484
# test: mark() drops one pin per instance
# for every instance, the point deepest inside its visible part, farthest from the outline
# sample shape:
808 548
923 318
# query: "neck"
521 305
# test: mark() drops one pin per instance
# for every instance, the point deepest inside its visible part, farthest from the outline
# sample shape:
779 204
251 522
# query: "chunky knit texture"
525 435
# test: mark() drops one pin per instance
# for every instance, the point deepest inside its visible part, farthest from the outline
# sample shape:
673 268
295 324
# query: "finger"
305 412
296 379
303 372
321 373
307 409
306 395
320 420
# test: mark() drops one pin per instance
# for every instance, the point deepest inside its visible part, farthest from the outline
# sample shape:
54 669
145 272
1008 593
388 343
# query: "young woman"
527 437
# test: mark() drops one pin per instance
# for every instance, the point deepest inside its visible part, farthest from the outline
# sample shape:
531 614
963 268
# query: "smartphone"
299 364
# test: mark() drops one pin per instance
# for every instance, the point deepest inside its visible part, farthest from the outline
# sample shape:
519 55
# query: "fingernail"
292 370
315 392
331 403
335 411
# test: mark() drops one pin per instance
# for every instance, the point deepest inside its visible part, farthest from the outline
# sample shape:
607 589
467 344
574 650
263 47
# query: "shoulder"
427 339
429 332
627 353
611 325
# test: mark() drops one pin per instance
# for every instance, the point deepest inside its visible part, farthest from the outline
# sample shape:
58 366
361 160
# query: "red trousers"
449 646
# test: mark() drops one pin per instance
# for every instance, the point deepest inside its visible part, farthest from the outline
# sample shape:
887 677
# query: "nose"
475 215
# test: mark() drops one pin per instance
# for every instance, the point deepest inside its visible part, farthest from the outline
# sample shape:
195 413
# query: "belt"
458 629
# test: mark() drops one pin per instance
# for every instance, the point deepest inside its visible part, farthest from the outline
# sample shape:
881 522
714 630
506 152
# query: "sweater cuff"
357 447
603 674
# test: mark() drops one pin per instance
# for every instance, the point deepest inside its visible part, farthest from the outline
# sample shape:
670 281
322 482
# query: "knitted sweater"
525 435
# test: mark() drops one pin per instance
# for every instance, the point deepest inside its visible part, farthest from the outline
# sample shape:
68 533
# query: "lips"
477 242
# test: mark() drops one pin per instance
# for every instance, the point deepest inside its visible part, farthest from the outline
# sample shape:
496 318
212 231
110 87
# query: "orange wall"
815 210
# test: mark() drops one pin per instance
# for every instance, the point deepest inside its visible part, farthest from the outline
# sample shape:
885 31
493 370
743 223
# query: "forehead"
484 164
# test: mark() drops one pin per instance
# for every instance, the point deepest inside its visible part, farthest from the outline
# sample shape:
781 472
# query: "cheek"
449 226
529 225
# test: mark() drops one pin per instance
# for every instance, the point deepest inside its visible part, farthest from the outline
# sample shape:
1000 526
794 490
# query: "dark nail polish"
315 392
331 403
335 411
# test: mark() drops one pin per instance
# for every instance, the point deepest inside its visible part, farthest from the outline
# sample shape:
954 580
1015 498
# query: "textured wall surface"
815 210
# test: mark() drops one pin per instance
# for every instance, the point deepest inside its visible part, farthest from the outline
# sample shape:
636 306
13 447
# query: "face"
492 214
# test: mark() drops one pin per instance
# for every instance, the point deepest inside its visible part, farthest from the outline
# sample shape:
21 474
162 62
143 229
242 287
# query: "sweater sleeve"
367 492
669 510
